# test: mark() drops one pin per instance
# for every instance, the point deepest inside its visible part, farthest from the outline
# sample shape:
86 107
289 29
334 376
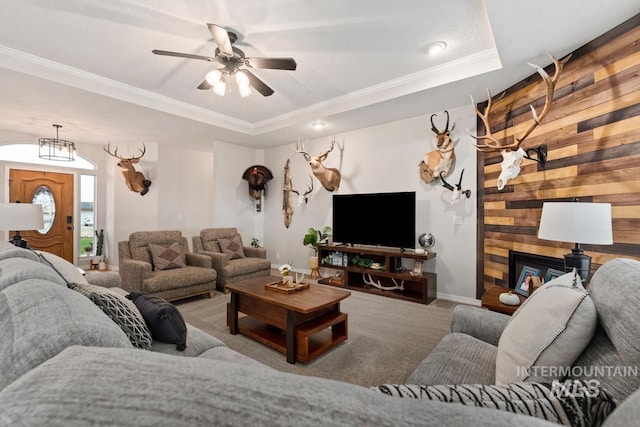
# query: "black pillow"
162 318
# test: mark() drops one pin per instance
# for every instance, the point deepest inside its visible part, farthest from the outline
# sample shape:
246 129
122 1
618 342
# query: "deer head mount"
457 192
257 176
441 159
135 180
512 154
328 177
302 198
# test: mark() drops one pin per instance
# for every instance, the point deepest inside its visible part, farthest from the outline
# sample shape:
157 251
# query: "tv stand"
391 280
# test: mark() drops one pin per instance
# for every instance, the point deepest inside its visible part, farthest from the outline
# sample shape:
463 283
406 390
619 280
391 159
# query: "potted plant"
314 238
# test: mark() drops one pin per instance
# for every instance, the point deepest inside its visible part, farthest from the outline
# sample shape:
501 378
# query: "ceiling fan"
235 63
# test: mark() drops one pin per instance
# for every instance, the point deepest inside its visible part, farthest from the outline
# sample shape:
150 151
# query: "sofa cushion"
163 319
457 359
552 402
109 386
39 319
166 257
550 329
69 272
122 311
232 247
139 242
15 270
178 277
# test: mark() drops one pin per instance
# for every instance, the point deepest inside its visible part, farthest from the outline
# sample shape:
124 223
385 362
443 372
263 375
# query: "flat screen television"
378 219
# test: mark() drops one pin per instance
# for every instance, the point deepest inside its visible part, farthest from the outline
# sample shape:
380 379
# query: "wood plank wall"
593 137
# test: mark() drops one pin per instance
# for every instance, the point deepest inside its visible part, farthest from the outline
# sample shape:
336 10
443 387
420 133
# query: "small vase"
313 265
287 280
102 266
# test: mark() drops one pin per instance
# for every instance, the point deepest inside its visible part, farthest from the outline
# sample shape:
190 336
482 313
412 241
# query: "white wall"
383 159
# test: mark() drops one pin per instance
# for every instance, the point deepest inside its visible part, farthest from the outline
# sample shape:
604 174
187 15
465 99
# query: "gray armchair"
238 263
138 272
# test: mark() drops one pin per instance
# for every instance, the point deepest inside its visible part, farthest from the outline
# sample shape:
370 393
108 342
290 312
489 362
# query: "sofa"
232 260
64 362
161 263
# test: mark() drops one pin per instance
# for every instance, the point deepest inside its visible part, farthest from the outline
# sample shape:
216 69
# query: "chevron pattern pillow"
119 309
232 247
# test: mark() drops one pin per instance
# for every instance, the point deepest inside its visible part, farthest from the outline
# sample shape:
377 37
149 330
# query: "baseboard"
456 298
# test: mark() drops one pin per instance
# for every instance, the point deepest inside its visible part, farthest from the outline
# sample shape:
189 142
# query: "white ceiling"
87 64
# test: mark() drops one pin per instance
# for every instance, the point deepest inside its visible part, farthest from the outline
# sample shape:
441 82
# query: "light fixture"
580 223
56 149
20 216
220 88
243 84
218 81
317 125
436 47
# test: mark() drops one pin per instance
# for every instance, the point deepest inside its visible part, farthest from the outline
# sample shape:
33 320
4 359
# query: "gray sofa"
64 362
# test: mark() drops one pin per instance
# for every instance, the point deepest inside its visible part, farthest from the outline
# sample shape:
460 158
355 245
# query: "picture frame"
552 273
524 285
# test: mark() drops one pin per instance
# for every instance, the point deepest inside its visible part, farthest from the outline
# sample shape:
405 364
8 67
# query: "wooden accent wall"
593 137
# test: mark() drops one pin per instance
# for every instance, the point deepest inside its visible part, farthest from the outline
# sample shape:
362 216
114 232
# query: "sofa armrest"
132 273
482 324
198 260
218 260
252 252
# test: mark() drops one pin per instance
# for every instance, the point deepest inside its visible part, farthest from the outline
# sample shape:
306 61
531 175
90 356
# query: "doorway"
54 191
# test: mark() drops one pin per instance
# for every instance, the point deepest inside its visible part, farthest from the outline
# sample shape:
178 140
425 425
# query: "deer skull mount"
135 180
457 192
512 154
257 176
302 198
328 177
440 160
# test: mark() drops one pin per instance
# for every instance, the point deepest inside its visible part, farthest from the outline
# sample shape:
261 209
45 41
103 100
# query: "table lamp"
578 222
20 216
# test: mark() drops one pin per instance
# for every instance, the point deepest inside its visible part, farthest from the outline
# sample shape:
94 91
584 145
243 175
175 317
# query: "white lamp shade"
21 217
576 222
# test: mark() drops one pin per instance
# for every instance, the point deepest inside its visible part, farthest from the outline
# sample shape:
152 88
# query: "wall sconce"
576 222
20 216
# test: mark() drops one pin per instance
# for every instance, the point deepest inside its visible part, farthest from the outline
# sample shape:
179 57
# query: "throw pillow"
167 257
588 407
547 333
122 311
232 247
163 319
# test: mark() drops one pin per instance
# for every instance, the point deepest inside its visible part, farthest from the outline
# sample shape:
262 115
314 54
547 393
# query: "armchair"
229 257
188 274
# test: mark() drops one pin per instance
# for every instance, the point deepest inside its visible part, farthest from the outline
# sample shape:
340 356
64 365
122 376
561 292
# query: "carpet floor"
387 338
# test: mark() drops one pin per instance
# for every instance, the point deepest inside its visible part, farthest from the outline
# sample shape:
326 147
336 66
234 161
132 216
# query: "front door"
54 191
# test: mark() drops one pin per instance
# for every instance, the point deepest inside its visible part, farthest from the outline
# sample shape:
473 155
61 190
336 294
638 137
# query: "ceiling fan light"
242 79
213 77
220 88
245 90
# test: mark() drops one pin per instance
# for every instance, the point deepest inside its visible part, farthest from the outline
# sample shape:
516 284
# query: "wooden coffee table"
302 325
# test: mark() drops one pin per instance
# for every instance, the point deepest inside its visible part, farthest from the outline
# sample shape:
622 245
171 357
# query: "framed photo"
552 273
524 285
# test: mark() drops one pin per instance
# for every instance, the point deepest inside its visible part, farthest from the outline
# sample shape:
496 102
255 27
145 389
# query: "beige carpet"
387 337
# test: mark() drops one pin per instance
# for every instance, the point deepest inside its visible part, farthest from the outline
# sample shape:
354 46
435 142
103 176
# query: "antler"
309 189
446 127
324 155
445 184
299 148
115 153
492 143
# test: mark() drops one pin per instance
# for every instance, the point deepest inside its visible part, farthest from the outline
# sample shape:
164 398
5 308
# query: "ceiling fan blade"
221 38
204 85
258 84
182 55
272 63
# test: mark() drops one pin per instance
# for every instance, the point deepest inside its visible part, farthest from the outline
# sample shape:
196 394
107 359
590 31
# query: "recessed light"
317 125
436 47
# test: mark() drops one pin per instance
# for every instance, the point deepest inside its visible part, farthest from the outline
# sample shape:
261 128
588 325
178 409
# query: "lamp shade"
21 216
576 222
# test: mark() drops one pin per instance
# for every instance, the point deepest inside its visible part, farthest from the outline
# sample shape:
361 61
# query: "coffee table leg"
233 327
291 336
